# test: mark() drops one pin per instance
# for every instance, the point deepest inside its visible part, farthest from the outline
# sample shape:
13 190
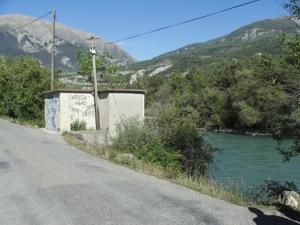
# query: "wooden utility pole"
53 50
96 98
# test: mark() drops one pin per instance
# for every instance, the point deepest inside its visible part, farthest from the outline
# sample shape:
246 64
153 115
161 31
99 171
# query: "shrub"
134 136
78 125
180 132
274 188
167 158
171 142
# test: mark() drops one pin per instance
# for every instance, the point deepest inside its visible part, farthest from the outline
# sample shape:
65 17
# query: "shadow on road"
263 219
289 212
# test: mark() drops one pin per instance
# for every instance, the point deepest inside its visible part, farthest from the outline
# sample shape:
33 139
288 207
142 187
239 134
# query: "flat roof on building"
110 90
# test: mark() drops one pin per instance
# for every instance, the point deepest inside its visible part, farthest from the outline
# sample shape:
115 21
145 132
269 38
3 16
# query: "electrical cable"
166 27
69 45
152 31
177 24
25 24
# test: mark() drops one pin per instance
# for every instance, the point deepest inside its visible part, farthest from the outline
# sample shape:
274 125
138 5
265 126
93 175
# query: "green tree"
180 132
107 73
289 122
290 46
22 81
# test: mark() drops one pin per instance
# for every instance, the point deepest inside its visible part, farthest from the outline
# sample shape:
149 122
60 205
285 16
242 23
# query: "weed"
78 125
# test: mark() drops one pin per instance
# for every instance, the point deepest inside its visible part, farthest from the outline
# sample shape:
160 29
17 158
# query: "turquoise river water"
253 159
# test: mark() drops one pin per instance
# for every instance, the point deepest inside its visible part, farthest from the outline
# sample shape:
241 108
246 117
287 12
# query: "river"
253 159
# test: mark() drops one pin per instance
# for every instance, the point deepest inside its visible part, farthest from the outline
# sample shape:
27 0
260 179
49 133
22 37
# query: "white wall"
76 106
124 105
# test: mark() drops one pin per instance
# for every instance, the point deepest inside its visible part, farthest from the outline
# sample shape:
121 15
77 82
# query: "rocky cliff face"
35 40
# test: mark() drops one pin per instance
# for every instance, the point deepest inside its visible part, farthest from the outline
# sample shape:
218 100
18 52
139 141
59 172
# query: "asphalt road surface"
43 180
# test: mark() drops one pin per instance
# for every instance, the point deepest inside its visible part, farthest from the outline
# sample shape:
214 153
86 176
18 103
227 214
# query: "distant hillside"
36 39
258 37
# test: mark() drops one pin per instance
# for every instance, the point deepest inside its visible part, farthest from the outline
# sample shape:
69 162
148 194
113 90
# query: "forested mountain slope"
258 37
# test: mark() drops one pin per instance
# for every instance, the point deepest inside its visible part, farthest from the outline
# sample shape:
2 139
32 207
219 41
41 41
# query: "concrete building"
64 106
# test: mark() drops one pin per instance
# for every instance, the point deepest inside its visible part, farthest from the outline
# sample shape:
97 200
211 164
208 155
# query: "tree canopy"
22 81
107 73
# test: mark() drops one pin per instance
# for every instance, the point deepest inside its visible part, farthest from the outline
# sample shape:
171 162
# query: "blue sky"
118 19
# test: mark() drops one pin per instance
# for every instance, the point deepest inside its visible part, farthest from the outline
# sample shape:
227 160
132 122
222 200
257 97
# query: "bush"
274 188
78 125
180 132
166 158
171 142
134 136
141 139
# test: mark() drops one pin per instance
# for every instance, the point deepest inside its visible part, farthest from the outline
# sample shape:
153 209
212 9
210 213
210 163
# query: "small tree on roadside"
107 73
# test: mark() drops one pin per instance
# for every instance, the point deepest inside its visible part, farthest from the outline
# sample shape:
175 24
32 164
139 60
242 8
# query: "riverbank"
232 131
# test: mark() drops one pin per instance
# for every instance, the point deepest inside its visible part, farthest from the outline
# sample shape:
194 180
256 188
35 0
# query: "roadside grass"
233 191
37 123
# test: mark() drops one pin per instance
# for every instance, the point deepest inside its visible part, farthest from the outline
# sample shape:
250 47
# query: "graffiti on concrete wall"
52 111
81 107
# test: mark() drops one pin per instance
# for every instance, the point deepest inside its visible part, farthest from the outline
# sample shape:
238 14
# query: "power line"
149 32
25 24
69 45
166 27
177 24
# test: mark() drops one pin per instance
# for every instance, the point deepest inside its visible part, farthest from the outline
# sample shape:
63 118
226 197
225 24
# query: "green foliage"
290 45
85 64
22 81
179 131
141 139
167 158
78 125
107 73
289 123
288 126
246 94
134 136
274 188
170 141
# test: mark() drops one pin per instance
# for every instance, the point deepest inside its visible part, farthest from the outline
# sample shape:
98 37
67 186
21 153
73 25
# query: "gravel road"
46 181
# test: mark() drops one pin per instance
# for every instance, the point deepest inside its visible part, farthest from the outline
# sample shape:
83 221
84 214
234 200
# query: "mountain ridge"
36 39
255 38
